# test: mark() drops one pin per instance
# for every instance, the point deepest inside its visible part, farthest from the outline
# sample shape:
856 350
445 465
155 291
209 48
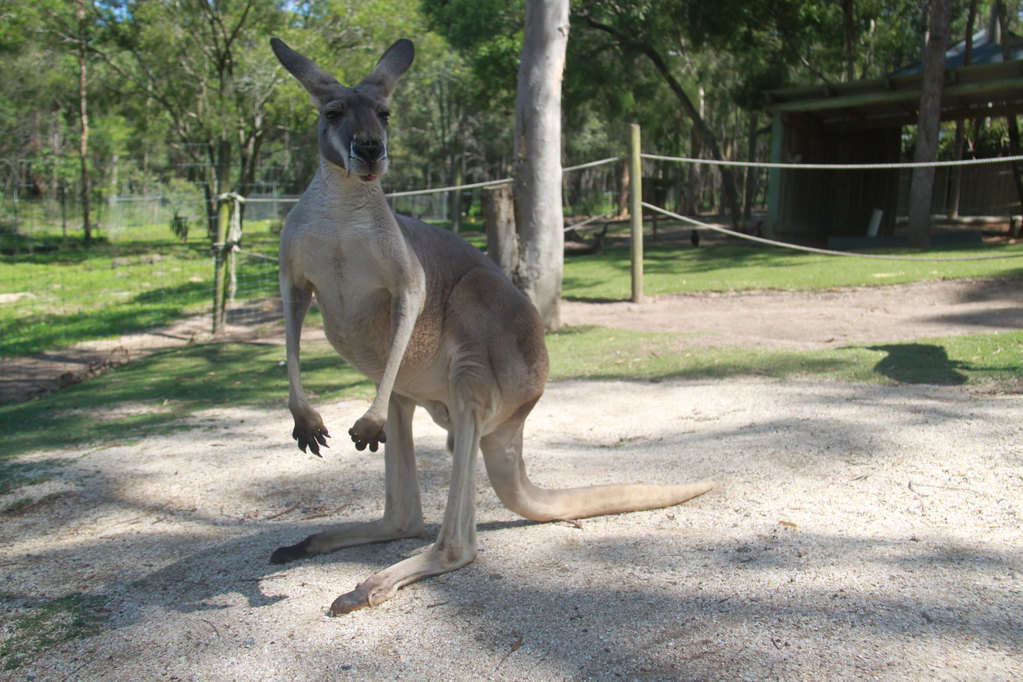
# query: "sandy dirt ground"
856 532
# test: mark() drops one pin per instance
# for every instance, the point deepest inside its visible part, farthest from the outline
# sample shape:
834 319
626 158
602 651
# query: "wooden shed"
862 122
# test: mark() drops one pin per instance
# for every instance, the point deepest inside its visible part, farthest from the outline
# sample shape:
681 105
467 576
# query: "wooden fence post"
636 212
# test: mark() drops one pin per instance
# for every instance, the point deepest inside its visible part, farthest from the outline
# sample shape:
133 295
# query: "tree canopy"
186 93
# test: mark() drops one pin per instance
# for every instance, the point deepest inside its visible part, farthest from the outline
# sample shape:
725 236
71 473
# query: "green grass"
985 362
114 288
79 294
30 630
153 395
16 476
684 269
69 296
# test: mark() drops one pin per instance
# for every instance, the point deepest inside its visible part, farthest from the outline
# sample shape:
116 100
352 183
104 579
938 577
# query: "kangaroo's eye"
331 114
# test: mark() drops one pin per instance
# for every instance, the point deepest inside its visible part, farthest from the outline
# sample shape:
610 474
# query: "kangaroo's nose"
368 150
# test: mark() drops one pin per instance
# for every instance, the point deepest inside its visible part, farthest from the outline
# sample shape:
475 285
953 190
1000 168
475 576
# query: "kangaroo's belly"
359 329
358 326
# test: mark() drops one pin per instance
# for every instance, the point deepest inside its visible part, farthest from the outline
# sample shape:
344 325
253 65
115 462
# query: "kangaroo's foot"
381 586
347 535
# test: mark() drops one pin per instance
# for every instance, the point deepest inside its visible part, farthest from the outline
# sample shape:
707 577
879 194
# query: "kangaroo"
434 323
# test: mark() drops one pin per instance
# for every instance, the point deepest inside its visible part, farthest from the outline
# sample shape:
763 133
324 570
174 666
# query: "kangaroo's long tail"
502 453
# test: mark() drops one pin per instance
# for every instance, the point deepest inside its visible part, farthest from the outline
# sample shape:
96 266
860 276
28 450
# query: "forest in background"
184 99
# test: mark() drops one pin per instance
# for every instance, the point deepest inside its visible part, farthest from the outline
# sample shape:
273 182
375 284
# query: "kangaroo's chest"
354 302
356 295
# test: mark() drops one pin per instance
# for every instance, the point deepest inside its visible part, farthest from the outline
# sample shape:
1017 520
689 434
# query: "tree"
82 43
1011 120
208 67
186 91
737 49
537 188
630 37
921 186
48 78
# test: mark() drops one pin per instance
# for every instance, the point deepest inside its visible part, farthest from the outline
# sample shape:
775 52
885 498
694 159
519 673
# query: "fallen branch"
282 513
328 512
263 577
945 487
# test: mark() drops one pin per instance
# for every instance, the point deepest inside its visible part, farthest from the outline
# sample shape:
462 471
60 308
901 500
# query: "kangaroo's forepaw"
283 555
367 432
311 435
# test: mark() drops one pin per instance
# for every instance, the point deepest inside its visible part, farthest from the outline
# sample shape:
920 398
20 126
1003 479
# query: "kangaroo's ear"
320 85
381 81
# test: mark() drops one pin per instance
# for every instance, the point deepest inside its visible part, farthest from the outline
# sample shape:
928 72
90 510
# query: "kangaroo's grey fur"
434 323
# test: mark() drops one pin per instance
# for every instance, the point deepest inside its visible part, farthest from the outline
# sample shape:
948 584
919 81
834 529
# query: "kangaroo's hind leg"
456 543
403 516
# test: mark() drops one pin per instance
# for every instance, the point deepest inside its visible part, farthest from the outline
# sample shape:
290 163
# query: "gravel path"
857 532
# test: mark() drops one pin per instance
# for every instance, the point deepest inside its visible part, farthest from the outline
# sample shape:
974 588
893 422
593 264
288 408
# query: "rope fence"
837 166
145 276
811 249
703 225
495 183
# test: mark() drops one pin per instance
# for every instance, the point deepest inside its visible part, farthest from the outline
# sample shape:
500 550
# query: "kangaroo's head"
353 120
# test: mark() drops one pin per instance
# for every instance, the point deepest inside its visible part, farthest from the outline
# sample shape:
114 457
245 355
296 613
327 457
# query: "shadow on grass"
591 352
14 475
919 363
77 253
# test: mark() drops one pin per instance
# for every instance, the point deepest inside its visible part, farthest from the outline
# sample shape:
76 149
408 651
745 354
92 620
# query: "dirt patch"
857 532
24 378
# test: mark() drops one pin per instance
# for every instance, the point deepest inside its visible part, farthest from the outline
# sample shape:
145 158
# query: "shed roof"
984 50
988 87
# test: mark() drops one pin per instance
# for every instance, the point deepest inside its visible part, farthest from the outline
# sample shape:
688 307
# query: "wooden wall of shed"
985 190
817 204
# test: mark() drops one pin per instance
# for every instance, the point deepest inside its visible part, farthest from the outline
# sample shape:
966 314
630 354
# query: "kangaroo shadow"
919 363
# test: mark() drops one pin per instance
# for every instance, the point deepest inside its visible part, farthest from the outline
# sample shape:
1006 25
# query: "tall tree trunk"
921 187
623 192
960 137
751 173
499 224
849 31
538 214
1012 122
83 119
456 196
694 172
